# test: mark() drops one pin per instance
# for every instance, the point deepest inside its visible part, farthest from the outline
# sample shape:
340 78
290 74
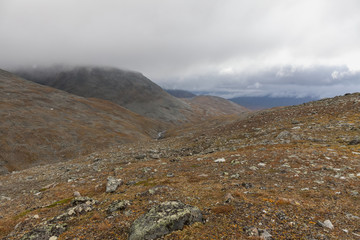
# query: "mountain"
257 103
129 89
42 125
206 106
180 93
281 173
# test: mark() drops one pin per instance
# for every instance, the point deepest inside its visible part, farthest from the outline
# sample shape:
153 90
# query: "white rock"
53 238
220 160
262 164
77 194
328 224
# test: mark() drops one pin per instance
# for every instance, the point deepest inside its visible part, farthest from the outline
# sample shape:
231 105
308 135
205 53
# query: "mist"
241 48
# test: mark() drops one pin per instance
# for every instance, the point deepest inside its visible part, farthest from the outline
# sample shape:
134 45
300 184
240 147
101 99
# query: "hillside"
207 106
129 89
180 93
283 173
40 124
258 103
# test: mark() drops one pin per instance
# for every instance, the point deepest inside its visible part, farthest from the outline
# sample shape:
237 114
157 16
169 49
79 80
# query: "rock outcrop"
163 219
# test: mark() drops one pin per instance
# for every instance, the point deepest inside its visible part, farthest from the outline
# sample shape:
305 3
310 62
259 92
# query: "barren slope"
286 172
207 106
129 89
40 124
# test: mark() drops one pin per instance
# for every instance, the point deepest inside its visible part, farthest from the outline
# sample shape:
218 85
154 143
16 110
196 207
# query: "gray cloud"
231 44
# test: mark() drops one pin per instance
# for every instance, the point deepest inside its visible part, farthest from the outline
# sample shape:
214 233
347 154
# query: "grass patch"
146 183
23 214
64 201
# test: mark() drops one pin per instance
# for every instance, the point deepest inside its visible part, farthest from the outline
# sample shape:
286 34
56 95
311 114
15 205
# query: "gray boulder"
112 184
163 219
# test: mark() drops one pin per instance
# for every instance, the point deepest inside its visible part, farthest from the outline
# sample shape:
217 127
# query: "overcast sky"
237 47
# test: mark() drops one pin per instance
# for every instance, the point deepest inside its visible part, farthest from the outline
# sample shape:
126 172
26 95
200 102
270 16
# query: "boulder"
112 184
163 219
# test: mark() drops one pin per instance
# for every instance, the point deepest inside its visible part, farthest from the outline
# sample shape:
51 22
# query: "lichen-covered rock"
163 219
82 200
45 232
118 206
112 184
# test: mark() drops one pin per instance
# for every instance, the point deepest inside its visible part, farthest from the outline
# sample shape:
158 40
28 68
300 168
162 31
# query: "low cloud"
285 81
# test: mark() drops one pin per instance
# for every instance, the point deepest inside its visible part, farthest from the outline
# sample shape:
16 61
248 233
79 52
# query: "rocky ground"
285 173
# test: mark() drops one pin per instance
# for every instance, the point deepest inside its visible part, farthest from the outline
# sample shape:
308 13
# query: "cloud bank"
244 47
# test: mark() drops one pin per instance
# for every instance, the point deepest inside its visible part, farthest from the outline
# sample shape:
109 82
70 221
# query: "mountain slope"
289 172
180 93
129 89
258 103
207 106
40 124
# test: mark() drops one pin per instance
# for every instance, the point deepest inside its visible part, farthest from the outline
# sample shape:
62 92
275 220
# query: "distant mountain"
207 106
180 93
129 89
258 103
40 124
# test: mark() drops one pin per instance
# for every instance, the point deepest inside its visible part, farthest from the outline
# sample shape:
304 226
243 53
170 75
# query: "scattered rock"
140 156
155 190
77 194
45 232
284 134
326 224
170 175
82 200
112 184
247 185
256 232
229 198
355 142
220 160
163 219
118 205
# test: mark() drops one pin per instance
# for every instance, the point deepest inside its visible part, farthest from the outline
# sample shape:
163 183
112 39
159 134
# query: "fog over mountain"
242 48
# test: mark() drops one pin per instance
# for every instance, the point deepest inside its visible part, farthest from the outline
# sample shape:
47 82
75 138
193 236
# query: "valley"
282 173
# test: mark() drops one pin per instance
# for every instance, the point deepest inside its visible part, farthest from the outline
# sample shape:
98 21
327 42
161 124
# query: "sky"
227 47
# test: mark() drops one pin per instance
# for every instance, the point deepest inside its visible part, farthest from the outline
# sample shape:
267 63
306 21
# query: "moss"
23 214
64 201
147 182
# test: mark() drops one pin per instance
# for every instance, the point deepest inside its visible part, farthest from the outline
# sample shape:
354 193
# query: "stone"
81 200
326 224
228 198
220 160
283 134
263 234
118 205
170 175
112 184
256 232
163 219
77 194
247 185
354 142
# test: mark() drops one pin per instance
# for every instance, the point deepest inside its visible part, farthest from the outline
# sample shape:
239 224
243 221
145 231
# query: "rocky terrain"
40 124
283 173
207 106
